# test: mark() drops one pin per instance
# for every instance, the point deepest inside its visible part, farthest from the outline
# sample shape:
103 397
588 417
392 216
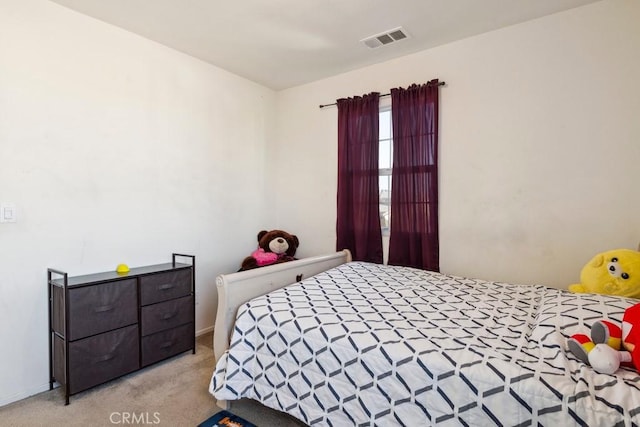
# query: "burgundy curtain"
413 239
358 223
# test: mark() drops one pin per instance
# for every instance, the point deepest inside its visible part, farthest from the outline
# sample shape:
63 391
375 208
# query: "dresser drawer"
167 343
164 286
103 357
165 315
98 308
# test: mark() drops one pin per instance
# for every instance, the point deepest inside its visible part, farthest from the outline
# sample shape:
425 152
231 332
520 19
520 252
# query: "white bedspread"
365 344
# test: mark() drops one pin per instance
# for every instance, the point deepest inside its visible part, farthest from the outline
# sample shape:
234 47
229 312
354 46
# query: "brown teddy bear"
274 247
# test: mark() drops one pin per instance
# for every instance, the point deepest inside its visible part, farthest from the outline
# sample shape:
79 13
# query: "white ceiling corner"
285 43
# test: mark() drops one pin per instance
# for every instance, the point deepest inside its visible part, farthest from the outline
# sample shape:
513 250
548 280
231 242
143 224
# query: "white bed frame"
237 288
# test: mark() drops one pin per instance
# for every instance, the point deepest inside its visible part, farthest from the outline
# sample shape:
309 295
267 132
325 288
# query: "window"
403 161
385 164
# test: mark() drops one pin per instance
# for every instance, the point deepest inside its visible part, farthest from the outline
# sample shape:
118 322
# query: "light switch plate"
7 212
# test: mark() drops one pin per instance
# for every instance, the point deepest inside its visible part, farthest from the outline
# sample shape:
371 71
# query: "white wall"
539 145
115 149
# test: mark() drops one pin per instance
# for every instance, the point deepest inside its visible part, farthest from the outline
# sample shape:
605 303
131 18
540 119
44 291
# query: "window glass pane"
384 216
385 124
384 157
385 189
385 165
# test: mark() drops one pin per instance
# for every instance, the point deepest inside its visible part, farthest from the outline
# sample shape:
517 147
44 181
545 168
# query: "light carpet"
170 393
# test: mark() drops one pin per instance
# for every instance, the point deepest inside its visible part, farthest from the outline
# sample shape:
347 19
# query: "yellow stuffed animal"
615 272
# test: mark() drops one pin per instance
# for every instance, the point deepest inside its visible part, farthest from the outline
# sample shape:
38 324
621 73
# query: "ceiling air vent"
387 37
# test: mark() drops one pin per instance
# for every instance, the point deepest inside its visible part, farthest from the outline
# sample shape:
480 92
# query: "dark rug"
225 419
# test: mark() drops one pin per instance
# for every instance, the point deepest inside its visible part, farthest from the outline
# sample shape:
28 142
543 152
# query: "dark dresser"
105 325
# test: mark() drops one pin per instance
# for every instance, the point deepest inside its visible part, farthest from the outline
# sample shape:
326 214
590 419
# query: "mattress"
367 344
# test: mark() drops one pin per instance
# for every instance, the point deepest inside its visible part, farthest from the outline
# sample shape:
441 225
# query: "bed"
365 344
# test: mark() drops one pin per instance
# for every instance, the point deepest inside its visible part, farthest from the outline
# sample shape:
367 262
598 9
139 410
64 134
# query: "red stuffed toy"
610 345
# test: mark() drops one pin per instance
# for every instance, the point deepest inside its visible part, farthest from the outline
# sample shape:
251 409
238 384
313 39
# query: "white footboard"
237 288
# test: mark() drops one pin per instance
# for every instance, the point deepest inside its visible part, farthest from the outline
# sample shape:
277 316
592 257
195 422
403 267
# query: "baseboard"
204 331
5 400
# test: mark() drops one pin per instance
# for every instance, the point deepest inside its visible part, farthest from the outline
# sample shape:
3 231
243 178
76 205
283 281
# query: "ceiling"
285 43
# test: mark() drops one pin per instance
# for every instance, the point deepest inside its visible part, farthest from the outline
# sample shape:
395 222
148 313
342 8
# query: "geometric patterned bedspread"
367 344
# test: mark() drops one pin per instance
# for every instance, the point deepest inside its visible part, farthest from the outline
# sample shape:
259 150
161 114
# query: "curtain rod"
384 94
